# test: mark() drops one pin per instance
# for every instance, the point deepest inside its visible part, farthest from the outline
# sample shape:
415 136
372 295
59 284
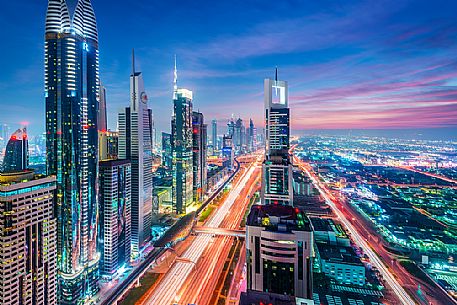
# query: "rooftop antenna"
276 74
175 80
134 97
133 62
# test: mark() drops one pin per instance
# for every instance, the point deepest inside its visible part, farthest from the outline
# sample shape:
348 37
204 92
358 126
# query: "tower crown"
71 16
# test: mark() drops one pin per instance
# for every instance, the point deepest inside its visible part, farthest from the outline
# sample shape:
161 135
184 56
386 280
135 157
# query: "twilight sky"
350 64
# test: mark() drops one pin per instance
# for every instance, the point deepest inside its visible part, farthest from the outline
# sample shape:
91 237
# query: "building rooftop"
279 218
338 254
113 162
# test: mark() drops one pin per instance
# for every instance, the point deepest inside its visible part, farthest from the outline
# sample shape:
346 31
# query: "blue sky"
350 64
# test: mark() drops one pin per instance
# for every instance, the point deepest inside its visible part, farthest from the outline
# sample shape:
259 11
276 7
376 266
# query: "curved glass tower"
17 155
72 96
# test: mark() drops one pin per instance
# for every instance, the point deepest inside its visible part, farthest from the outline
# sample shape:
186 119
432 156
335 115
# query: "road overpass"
219 231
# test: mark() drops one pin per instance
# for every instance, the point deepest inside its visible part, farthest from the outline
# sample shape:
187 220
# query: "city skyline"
384 69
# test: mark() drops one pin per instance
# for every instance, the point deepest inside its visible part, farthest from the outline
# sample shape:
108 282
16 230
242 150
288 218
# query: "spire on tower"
175 80
133 62
276 74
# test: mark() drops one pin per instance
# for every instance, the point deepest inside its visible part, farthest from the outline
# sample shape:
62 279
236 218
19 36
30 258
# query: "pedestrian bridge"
220 231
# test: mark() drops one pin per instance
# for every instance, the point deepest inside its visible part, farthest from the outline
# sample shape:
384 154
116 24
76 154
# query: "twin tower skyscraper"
72 93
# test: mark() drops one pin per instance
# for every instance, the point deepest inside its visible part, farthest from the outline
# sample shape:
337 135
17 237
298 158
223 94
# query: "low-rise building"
341 263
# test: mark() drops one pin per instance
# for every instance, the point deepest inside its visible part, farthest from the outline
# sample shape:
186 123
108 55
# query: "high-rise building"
227 152
214 141
182 145
135 144
28 240
17 152
72 100
108 145
239 136
279 237
167 151
102 121
115 216
279 248
200 169
251 136
231 128
277 167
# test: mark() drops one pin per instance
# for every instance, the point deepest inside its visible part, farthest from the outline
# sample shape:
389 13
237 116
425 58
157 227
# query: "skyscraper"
200 170
182 144
167 152
251 136
214 136
277 167
72 100
115 215
28 225
135 144
16 154
227 152
102 121
279 237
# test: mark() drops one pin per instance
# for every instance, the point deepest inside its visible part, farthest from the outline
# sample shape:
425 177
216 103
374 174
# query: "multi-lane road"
192 277
391 280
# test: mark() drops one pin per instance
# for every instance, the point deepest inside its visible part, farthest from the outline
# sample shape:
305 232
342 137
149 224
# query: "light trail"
401 293
167 290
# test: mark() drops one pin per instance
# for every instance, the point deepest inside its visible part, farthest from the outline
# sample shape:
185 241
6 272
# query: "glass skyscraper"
16 154
199 151
181 130
72 97
277 168
135 144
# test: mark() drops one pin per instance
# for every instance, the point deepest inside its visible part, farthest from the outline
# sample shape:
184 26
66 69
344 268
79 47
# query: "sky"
350 64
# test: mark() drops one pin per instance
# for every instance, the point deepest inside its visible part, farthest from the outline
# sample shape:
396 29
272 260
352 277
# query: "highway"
117 292
398 290
167 291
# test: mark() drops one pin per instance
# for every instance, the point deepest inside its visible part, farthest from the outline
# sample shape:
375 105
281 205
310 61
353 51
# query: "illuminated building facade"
28 254
167 152
279 248
135 144
279 237
115 216
72 99
108 145
182 144
214 137
199 155
227 152
17 152
277 168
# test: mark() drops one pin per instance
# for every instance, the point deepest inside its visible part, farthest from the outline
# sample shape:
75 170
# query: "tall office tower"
279 247
135 144
279 237
167 151
231 128
72 98
227 152
17 152
115 216
277 167
200 169
108 145
251 136
214 136
182 144
102 121
28 240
